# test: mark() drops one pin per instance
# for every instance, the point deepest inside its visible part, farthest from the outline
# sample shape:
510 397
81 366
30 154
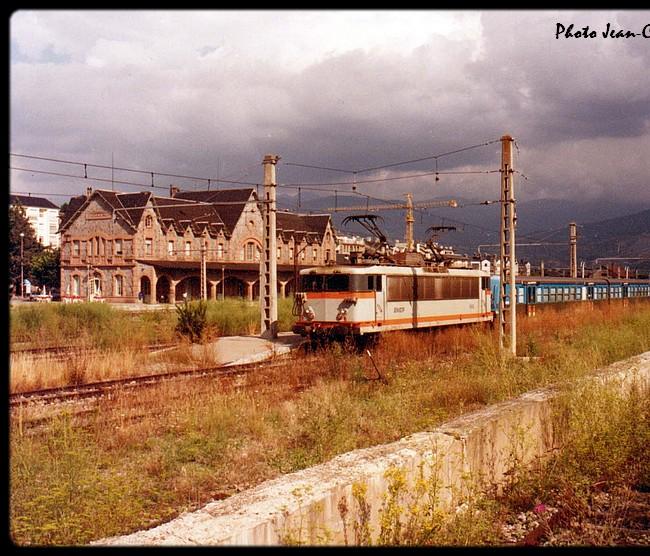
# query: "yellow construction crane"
409 206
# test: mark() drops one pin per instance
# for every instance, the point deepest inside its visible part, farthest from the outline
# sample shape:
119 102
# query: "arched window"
148 221
252 251
96 285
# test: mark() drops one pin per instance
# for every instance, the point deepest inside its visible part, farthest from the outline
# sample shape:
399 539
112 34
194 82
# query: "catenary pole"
508 263
269 262
573 252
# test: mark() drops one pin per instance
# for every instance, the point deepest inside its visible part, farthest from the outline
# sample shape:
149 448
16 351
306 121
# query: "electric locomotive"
353 300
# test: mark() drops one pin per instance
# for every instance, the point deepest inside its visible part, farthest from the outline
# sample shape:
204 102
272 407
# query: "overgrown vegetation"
191 320
605 446
94 325
120 337
100 325
73 484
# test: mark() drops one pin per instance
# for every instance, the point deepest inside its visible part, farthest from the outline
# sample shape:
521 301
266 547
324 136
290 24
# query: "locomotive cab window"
341 282
326 282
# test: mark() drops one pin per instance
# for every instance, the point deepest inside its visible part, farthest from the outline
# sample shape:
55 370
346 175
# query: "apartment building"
43 215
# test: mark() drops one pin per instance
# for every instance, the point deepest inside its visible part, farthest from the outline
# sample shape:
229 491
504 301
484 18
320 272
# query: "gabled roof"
201 210
180 213
29 201
217 196
119 202
308 226
229 203
73 206
133 205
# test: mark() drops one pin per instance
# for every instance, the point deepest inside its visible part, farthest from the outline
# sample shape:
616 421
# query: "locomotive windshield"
326 282
340 282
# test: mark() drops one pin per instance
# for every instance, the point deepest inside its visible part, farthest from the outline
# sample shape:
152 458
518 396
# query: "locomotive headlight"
341 314
309 313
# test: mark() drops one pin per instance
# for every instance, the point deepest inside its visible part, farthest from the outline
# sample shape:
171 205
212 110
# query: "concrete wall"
480 447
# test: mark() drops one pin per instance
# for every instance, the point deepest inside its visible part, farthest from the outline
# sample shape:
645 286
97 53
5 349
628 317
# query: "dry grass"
175 447
102 326
49 371
112 342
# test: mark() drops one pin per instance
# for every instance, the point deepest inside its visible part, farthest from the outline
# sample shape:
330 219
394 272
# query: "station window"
76 285
119 285
251 251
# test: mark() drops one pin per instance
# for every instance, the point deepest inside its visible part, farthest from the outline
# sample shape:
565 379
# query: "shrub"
191 320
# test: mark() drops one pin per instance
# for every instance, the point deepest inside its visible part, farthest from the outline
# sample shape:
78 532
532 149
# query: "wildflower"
539 508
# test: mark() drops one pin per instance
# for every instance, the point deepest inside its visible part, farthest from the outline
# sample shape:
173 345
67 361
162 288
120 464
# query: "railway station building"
140 247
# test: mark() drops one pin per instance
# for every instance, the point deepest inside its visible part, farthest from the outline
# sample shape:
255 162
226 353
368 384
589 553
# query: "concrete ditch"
306 506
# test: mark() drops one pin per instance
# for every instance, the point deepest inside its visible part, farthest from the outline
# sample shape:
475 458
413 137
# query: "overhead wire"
393 164
394 178
134 170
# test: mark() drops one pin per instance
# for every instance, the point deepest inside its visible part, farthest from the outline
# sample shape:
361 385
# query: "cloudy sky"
208 93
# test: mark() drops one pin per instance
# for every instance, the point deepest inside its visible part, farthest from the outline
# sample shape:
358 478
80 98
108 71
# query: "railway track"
68 351
106 387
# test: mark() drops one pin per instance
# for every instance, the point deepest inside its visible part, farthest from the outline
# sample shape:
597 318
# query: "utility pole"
573 253
269 262
410 243
204 273
22 271
507 314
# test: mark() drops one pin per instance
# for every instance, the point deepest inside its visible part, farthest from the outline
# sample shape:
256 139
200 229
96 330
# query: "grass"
88 325
207 440
120 337
605 449
103 326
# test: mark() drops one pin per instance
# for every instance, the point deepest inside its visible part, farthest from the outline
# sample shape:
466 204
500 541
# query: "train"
362 301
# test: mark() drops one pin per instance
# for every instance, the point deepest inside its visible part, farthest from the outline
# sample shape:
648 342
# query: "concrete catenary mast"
508 313
269 262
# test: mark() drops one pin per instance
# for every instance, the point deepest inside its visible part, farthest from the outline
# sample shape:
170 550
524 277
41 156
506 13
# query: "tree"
46 267
18 223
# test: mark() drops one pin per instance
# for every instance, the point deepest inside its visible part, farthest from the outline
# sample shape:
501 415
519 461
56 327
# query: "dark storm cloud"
578 109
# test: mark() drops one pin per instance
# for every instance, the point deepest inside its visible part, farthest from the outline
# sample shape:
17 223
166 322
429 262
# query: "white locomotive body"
358 300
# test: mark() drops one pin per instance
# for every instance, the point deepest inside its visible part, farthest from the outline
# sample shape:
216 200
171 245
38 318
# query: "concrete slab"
305 506
239 350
